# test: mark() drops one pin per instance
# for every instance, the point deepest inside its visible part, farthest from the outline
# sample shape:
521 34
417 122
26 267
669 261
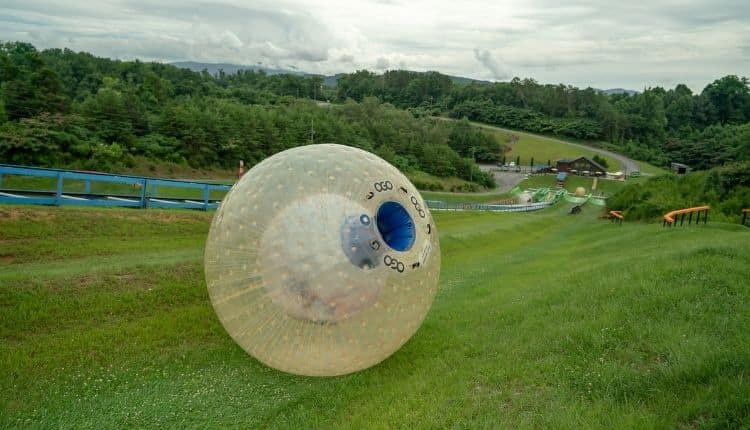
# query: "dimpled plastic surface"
299 273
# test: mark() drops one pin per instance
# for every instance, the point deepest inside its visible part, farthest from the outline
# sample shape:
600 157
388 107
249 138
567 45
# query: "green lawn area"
542 320
650 169
544 149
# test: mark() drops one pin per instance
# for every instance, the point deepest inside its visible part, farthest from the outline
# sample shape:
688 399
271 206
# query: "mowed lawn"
542 320
543 149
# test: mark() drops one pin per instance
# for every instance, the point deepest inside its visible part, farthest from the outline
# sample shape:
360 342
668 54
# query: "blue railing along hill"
23 185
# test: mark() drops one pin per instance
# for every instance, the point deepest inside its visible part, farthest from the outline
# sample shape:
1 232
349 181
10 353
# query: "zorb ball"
322 260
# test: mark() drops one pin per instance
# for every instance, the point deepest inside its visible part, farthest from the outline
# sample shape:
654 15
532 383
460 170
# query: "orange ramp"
670 217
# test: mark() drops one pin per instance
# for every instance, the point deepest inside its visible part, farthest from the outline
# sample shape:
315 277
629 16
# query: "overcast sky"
604 44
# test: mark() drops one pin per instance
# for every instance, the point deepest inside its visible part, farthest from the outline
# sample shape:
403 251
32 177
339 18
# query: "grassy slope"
650 169
541 320
542 148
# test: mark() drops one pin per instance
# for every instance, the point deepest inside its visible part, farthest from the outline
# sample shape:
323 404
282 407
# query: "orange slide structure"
670 217
616 216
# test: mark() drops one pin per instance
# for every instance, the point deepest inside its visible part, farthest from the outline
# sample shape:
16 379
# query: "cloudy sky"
604 44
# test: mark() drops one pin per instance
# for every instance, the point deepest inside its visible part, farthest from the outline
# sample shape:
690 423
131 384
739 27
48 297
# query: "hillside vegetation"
59 108
541 320
726 189
657 125
66 109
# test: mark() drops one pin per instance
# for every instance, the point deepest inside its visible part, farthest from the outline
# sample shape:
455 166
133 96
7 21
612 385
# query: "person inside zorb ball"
322 260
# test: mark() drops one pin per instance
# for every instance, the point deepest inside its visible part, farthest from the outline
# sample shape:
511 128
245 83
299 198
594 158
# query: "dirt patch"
118 281
36 213
7 259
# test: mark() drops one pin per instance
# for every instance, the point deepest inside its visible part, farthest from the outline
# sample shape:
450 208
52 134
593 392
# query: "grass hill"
541 320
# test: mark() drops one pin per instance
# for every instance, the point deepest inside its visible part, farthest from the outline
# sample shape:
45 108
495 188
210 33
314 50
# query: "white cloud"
605 43
486 58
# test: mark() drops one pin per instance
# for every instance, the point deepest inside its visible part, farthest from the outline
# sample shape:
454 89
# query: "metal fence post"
205 197
59 189
87 186
144 186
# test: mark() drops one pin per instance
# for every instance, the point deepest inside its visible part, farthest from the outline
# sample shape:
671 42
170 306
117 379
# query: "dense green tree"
730 96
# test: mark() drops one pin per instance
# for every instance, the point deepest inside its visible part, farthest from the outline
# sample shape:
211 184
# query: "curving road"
628 165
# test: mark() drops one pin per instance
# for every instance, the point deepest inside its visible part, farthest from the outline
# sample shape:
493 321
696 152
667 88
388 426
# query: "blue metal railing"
441 205
143 194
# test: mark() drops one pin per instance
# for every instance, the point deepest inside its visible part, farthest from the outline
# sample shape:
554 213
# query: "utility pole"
471 167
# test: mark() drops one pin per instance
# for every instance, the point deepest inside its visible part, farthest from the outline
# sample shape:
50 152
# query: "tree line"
657 125
60 108
72 109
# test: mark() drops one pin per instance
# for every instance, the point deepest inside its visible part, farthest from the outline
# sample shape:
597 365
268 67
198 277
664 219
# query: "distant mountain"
612 91
330 81
213 68
460 80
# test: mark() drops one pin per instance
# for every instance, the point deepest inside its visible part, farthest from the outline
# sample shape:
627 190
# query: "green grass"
542 320
543 148
650 169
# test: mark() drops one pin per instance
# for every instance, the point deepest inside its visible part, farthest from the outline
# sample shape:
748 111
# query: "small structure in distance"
680 169
580 165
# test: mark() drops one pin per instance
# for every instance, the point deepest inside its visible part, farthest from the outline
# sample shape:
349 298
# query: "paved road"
505 180
627 165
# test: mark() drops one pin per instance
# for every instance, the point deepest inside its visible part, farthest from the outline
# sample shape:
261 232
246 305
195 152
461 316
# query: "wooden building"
680 168
580 166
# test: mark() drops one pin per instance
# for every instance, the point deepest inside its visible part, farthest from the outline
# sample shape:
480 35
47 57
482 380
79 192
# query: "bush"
726 189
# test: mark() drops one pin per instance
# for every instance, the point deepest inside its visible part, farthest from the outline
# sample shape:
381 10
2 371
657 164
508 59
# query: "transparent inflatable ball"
322 260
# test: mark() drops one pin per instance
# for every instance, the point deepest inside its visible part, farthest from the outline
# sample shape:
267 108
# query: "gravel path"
505 180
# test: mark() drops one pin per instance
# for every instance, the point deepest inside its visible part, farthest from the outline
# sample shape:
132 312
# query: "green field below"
650 169
543 149
542 320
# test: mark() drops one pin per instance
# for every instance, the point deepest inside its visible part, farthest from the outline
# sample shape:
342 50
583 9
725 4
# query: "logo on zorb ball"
322 260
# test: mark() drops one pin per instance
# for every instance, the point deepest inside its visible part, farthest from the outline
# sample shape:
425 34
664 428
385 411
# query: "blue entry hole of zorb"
396 226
